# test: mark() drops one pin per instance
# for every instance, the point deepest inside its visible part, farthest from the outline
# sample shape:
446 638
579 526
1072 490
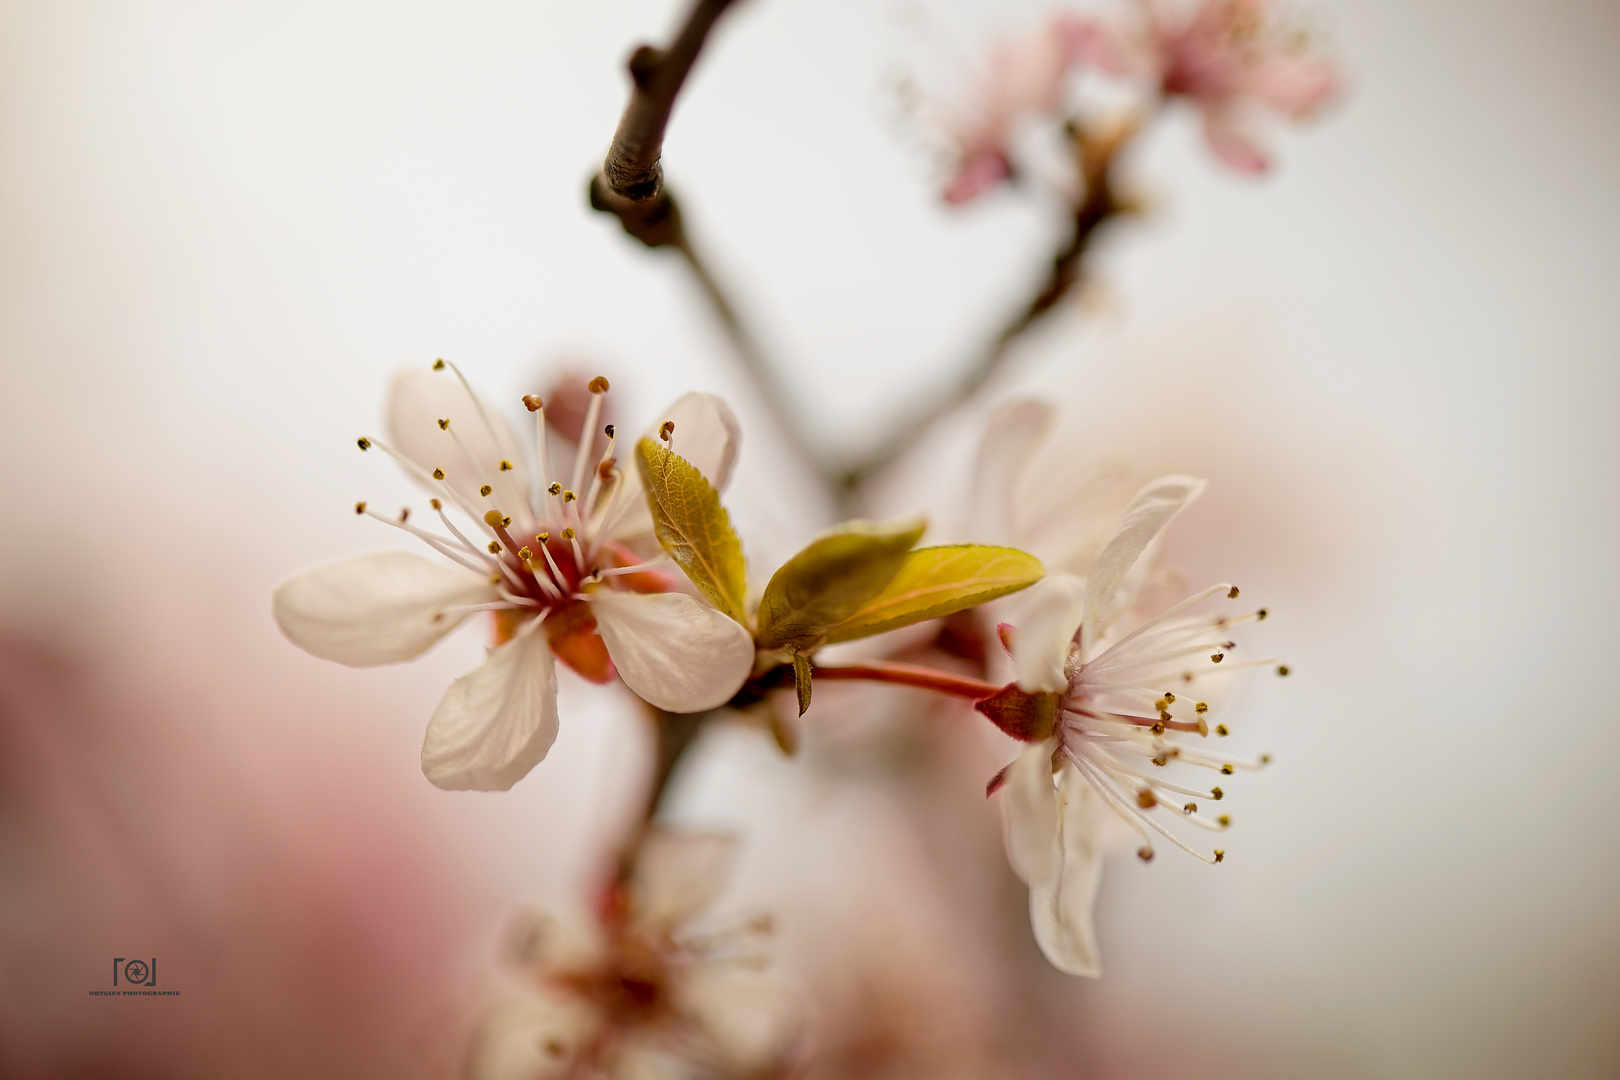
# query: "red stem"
910 675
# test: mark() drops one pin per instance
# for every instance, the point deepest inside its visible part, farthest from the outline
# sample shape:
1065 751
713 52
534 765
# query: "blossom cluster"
612 555
1229 60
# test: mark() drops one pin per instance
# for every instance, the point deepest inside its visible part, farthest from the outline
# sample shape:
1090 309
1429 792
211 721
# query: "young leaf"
693 527
833 576
936 581
801 680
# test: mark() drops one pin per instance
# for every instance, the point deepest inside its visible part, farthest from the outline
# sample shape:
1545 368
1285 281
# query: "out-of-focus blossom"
1225 57
1099 708
1023 80
1028 494
554 564
651 992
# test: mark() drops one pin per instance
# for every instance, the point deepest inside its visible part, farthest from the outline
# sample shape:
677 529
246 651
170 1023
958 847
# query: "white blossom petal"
1046 633
496 723
1136 528
418 400
752 1019
1060 908
673 650
526 1038
678 874
1014 433
378 608
1030 809
706 434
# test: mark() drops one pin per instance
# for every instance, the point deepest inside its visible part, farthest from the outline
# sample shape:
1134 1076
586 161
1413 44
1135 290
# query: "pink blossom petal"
1231 144
976 175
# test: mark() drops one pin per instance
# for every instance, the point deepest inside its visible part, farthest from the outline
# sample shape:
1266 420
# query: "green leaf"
835 575
693 527
801 680
936 581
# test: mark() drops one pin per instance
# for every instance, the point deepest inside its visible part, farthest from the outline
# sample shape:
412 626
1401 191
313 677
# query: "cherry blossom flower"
551 559
1023 80
1225 57
653 990
1103 710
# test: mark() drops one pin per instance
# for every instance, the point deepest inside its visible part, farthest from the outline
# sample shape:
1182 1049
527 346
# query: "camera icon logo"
135 972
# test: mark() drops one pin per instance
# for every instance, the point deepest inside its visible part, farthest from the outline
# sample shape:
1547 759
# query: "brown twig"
1099 204
631 187
632 170
675 733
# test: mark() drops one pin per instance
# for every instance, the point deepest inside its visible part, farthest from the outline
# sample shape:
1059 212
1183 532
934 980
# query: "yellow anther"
494 547
597 385
1163 703
1217 794
541 538
569 496
568 533
436 504
1233 595
525 553
359 507
438 474
506 466
485 489
1168 696
1158 728
1190 808
1220 729
363 442
438 365
1226 770
1146 799
533 403
1162 760
444 425
1217 658
555 488
666 429
1261 614
1282 669
1219 855
1145 854
1224 820
1202 706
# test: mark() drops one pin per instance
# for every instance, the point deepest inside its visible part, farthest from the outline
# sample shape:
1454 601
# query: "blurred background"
222 228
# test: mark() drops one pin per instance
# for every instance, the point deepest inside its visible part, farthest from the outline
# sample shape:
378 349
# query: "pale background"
222 226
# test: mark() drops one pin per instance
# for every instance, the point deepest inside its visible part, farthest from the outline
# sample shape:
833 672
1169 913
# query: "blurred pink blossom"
1223 56
1024 79
654 990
